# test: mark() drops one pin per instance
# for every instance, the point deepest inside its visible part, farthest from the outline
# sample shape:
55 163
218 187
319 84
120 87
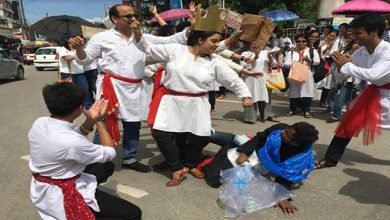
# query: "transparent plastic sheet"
244 191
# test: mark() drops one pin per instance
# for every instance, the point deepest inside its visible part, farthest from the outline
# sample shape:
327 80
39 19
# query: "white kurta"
60 151
306 89
375 69
187 75
122 57
257 85
75 66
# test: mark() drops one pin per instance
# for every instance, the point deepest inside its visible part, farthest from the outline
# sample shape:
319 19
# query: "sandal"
197 173
307 115
322 164
273 119
290 114
177 177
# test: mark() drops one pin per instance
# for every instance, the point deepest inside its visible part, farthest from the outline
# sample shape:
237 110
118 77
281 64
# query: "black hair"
63 99
334 31
182 25
305 133
195 36
344 24
370 22
165 31
114 11
317 43
300 36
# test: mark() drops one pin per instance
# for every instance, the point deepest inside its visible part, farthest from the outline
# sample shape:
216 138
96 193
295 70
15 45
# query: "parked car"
46 57
10 67
29 55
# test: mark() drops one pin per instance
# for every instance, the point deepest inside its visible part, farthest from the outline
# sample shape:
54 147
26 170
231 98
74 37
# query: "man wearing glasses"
122 66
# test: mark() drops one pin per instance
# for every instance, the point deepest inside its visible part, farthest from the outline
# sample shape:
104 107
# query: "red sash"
159 91
363 113
113 104
74 204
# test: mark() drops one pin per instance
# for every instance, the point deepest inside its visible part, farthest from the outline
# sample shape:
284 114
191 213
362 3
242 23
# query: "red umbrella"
363 6
173 14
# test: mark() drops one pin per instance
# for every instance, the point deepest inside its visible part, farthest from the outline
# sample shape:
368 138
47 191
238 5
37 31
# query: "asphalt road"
357 189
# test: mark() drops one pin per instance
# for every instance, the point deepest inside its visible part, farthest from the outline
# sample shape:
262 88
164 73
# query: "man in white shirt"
122 66
66 166
370 111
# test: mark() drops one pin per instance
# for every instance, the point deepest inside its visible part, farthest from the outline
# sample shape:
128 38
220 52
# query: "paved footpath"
357 189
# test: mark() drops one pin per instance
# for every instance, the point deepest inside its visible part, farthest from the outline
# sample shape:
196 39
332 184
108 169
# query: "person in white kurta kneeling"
66 166
301 92
257 85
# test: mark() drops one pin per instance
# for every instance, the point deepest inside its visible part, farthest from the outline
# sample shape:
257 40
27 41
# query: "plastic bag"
244 191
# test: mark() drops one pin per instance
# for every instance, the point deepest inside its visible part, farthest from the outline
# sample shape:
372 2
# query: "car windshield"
46 52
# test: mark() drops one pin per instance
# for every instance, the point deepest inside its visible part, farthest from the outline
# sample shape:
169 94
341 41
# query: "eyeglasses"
301 41
128 16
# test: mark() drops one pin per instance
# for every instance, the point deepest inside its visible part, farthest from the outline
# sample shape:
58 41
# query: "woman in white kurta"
327 47
189 71
301 92
257 85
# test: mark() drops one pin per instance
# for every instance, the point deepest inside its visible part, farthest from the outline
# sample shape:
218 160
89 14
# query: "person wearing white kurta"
189 71
371 63
257 85
305 91
119 55
60 150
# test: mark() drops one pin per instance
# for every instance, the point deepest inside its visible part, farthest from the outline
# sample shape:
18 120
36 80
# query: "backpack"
320 71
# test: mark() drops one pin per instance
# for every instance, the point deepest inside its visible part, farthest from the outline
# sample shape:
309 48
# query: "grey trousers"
250 113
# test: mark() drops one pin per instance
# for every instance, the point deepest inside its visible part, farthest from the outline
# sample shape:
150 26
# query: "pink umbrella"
173 14
362 6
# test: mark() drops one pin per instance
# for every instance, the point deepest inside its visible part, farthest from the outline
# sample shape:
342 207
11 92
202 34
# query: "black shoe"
331 120
137 166
163 166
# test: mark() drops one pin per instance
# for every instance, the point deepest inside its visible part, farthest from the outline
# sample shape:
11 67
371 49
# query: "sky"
87 9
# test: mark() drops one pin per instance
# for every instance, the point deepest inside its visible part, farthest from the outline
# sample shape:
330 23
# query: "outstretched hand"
153 9
247 102
97 111
192 7
286 207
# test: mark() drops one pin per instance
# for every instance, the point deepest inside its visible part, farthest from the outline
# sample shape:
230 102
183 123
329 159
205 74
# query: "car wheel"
19 74
39 68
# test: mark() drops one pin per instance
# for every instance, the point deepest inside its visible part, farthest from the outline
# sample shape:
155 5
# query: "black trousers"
212 99
191 155
111 207
336 149
305 101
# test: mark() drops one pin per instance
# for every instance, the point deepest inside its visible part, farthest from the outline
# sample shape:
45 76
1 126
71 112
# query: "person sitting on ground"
66 166
285 151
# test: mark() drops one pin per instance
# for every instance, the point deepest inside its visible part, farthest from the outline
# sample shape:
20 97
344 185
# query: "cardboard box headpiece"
256 28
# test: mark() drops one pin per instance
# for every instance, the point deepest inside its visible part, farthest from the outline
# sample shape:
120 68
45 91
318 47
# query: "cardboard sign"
88 32
234 19
256 28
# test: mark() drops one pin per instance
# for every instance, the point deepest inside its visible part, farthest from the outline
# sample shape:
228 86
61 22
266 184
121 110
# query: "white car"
46 57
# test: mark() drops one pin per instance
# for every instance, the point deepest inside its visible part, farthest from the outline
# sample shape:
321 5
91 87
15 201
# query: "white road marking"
231 101
25 157
127 190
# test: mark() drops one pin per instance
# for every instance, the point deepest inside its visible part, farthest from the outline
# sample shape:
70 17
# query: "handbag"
298 71
275 79
322 70
66 79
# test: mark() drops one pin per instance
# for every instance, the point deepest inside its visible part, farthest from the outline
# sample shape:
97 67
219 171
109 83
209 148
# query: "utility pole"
23 20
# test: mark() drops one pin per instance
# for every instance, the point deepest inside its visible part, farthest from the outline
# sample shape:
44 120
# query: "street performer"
370 111
180 105
122 67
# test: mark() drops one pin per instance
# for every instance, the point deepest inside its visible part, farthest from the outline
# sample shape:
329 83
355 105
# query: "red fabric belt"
113 104
159 91
364 113
74 204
